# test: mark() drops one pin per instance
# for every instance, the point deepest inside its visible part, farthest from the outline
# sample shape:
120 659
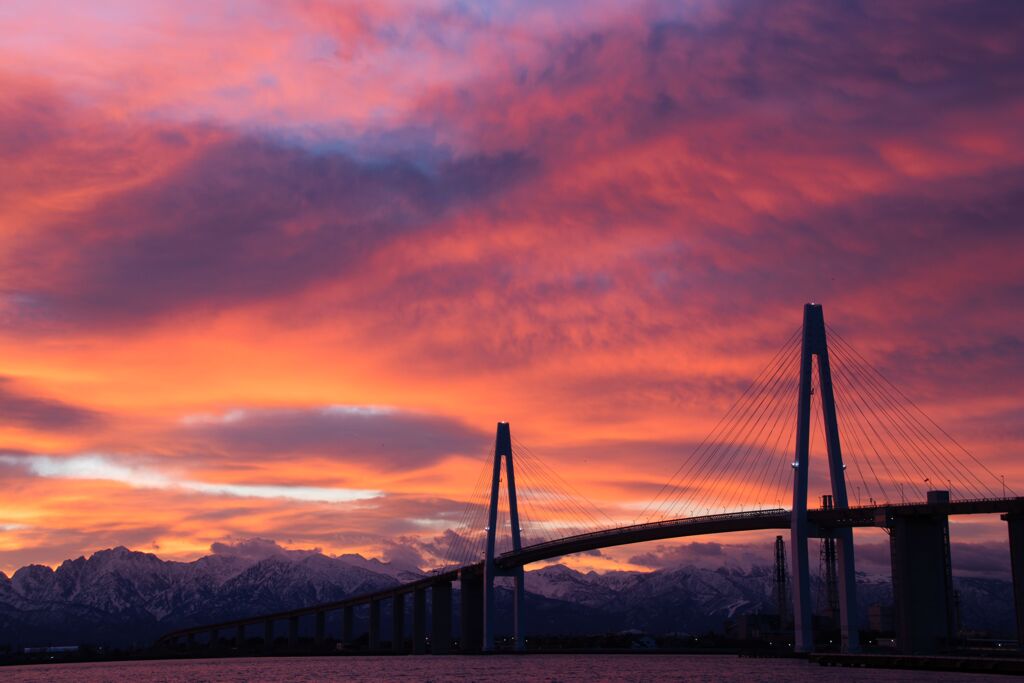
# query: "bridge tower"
815 345
503 449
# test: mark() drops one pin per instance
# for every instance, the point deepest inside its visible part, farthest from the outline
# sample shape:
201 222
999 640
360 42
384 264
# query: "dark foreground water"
550 668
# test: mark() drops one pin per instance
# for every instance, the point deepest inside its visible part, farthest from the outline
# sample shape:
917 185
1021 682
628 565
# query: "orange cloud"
598 225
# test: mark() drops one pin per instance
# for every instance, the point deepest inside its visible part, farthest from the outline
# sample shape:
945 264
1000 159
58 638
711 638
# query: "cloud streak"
384 438
39 413
97 466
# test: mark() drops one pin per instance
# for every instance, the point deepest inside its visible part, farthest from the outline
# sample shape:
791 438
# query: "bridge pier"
398 623
922 581
489 609
802 631
347 624
441 618
293 632
373 637
214 641
472 616
1015 527
268 634
321 627
519 610
240 636
419 621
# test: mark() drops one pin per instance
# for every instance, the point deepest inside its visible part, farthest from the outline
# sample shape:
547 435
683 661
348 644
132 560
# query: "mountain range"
124 598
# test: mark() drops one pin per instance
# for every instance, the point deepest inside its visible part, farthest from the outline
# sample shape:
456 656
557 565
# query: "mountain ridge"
120 597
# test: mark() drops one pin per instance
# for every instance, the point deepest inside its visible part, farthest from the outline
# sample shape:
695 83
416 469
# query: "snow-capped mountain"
695 600
122 597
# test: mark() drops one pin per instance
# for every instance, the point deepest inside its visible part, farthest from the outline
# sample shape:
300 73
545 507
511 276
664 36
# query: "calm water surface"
549 668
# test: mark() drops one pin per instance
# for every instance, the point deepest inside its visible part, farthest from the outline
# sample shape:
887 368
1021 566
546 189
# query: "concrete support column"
489 609
472 617
347 621
849 621
419 621
321 625
398 623
1015 526
214 639
268 634
190 641
441 618
240 636
922 583
374 634
293 632
519 611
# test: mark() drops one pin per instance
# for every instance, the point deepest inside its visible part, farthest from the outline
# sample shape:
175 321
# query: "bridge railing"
917 503
749 514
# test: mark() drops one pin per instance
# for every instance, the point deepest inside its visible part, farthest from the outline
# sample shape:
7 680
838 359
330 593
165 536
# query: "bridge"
893 446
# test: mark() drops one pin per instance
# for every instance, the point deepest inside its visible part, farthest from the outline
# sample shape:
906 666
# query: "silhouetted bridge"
918 530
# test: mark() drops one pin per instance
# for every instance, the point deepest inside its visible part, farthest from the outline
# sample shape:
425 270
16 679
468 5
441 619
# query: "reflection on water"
551 668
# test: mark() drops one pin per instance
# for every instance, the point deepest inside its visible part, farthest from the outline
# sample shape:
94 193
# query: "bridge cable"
892 446
950 464
857 450
781 457
747 445
849 399
566 505
715 429
577 518
895 413
452 556
761 459
552 499
863 407
695 464
478 511
698 469
727 439
568 485
898 439
780 481
724 440
885 379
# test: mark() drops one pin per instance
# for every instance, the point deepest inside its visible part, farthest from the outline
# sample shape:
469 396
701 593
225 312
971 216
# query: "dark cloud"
404 553
987 560
256 549
385 439
709 554
981 559
39 413
246 219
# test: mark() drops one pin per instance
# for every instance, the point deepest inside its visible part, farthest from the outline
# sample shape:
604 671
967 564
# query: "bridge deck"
776 518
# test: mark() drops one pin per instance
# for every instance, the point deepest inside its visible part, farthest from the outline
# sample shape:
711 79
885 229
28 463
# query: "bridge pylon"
815 344
503 450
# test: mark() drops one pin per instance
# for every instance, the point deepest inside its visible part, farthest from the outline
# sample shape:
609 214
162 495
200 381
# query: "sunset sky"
275 268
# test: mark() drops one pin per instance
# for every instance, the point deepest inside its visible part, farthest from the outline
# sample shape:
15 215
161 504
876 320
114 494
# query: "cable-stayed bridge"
888 466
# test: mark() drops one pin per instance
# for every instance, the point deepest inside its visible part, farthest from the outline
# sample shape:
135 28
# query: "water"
544 668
